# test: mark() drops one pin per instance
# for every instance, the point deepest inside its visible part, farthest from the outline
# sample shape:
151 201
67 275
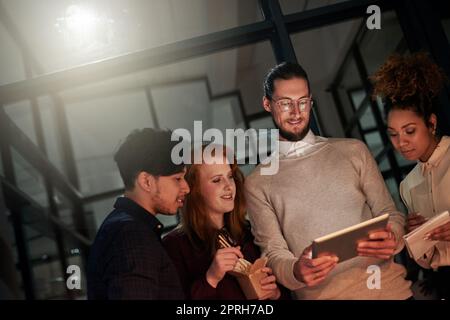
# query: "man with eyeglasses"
322 185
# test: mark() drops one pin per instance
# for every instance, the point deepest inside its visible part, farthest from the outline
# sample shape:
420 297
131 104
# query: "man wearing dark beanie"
127 260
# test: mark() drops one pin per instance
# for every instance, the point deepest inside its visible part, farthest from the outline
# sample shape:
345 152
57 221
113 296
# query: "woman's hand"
413 221
224 260
269 284
441 233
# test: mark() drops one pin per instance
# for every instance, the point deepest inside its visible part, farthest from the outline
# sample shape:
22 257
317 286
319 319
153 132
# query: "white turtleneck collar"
297 148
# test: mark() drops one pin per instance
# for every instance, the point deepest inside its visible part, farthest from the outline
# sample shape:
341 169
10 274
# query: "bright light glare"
83 28
80 20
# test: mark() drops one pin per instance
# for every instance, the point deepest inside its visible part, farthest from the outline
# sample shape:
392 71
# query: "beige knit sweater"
334 186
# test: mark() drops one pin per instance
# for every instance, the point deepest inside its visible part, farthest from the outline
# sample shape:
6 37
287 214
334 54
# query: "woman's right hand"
269 285
224 260
413 221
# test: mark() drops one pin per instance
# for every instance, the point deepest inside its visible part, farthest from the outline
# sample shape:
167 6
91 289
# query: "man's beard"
161 206
291 136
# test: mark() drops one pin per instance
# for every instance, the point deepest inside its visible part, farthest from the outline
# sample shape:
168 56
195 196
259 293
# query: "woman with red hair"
214 211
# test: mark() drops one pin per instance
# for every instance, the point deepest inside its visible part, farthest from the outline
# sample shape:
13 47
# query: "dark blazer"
127 260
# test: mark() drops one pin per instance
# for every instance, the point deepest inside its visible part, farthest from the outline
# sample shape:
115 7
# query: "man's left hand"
381 244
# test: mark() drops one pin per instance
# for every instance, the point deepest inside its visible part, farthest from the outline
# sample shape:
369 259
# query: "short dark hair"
285 71
146 150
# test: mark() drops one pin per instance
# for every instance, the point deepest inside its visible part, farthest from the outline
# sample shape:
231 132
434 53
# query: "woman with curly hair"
214 235
408 86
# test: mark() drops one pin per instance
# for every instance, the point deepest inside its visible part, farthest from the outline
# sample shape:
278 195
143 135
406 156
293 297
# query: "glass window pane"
240 69
376 46
350 83
2 170
48 277
367 120
384 164
289 6
11 62
402 161
189 98
394 191
167 220
382 109
20 113
226 113
51 132
357 97
247 168
446 26
99 210
65 210
374 142
221 114
29 180
43 256
77 33
10 282
97 127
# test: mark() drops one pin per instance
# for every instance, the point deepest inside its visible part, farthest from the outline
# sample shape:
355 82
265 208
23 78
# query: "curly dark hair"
409 82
